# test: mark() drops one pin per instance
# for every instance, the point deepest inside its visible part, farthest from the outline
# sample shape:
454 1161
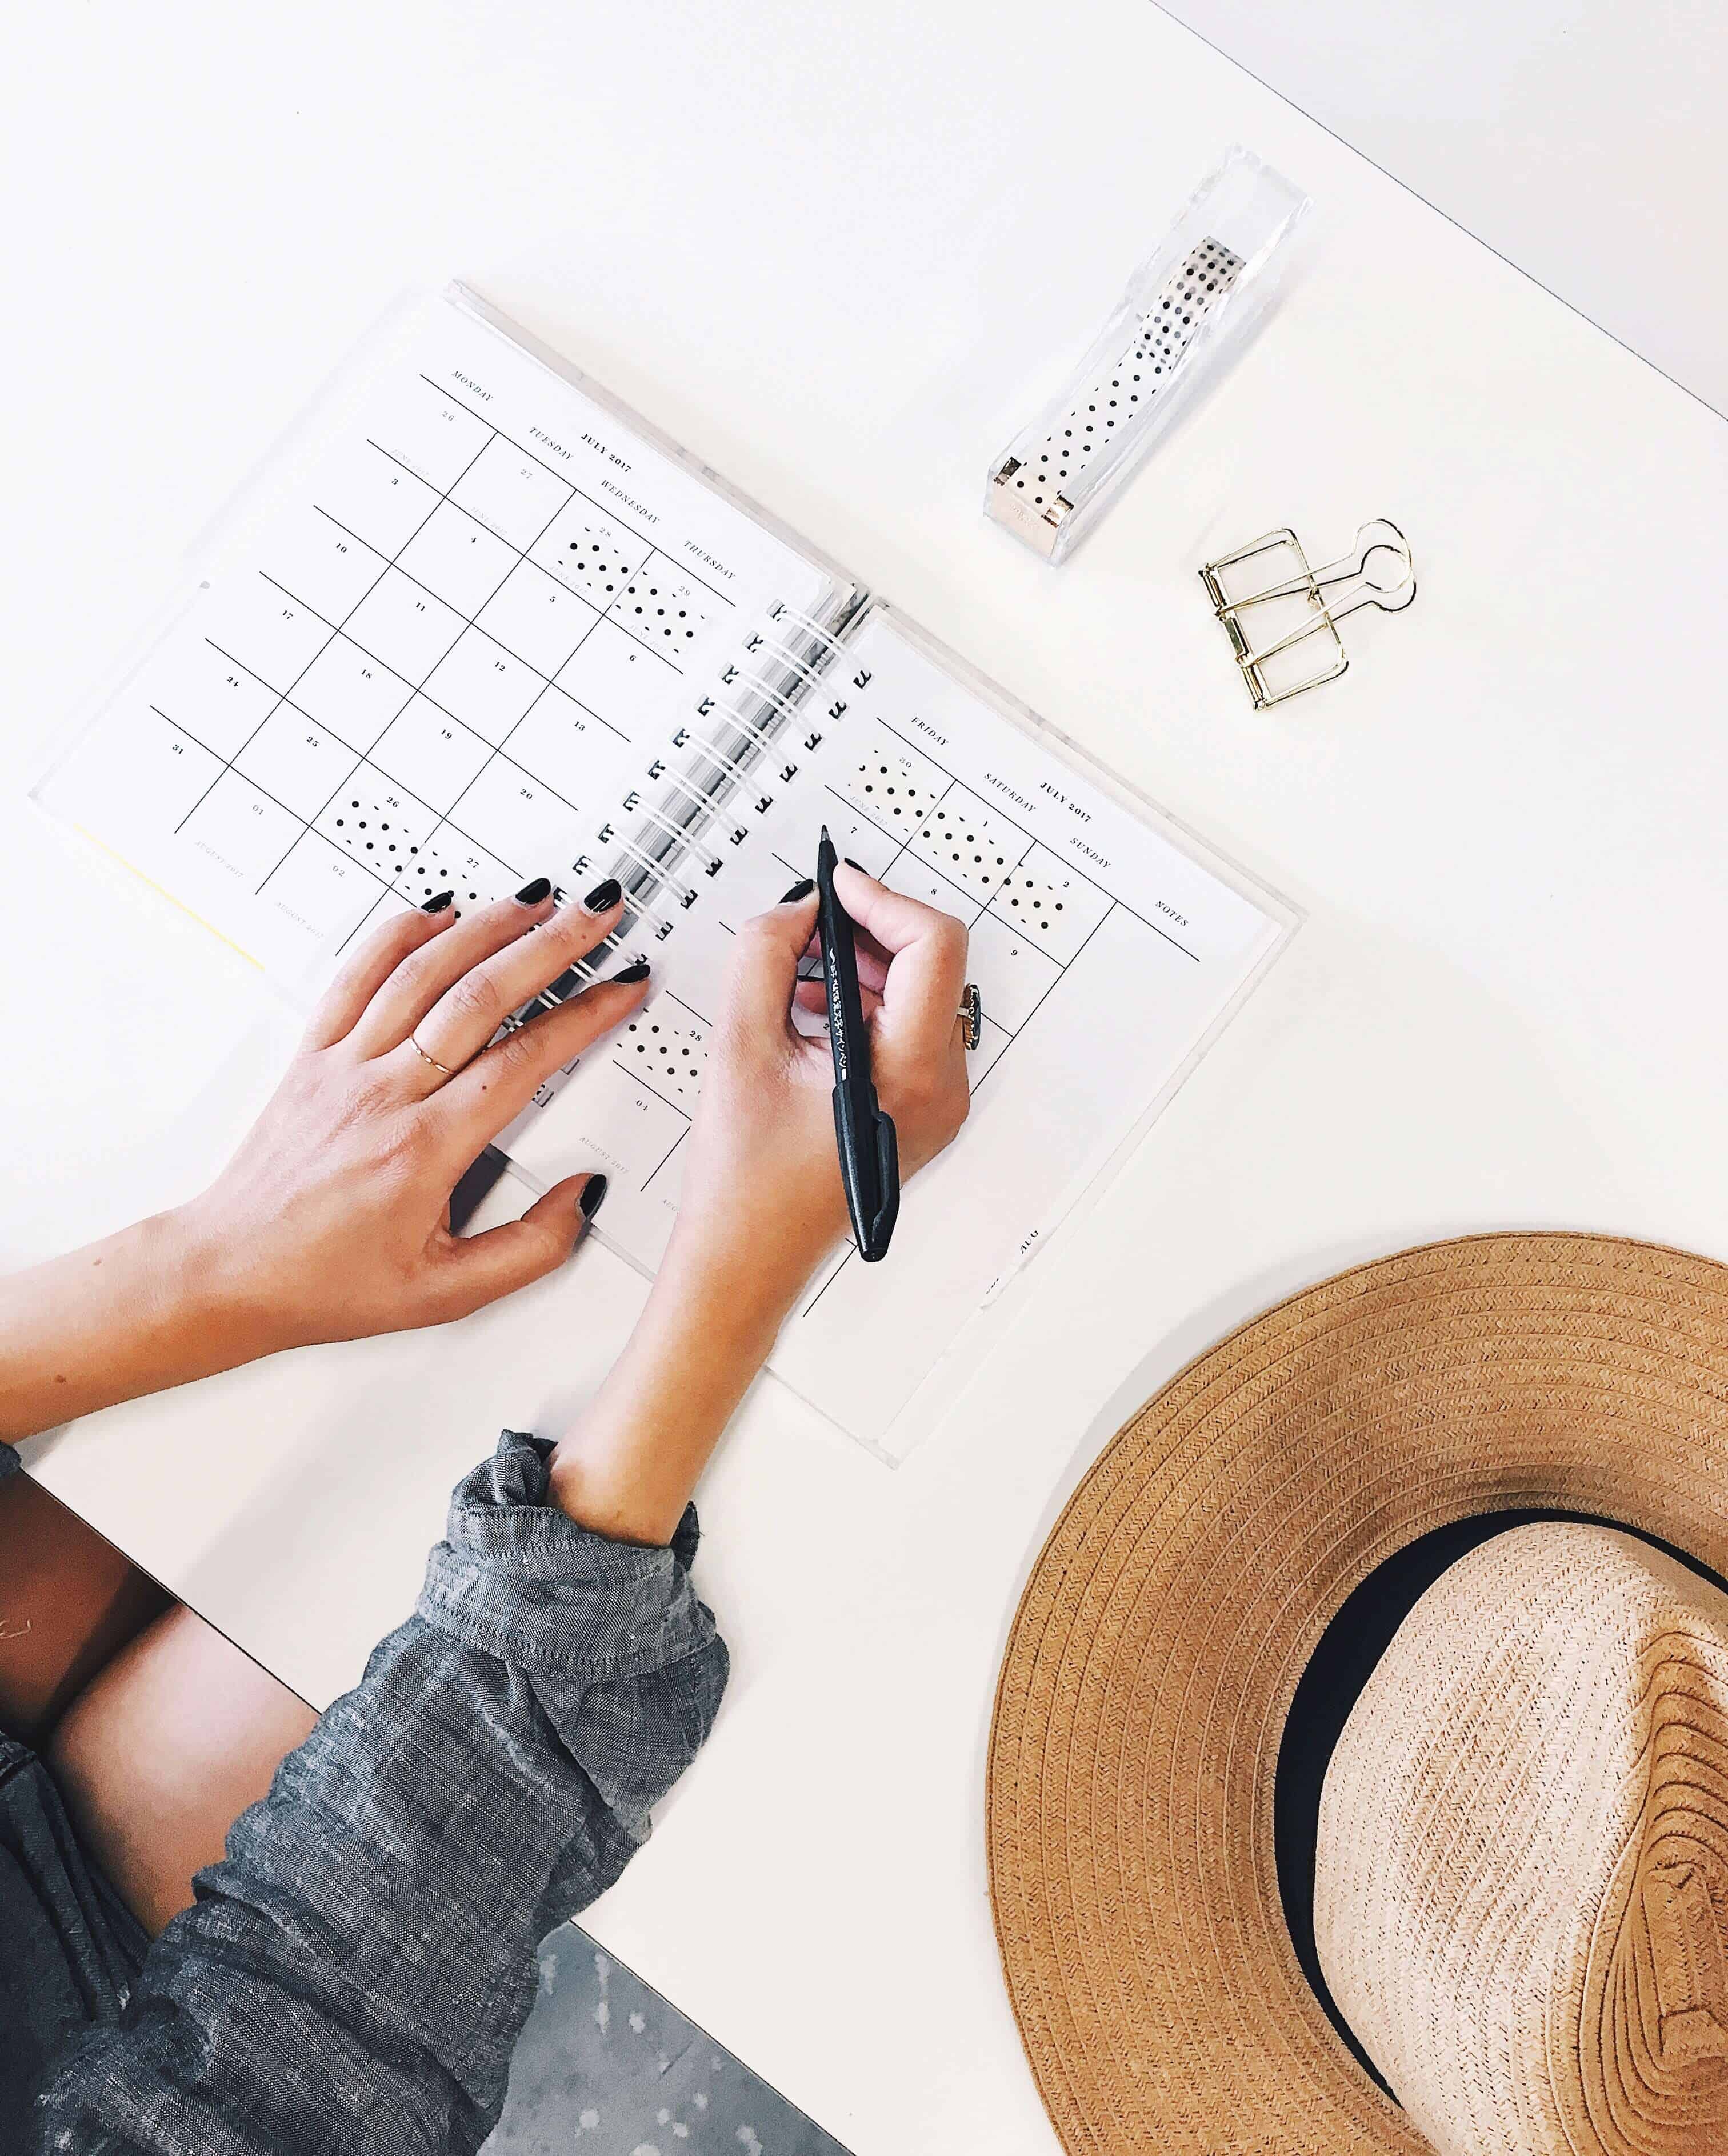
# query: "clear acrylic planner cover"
476 622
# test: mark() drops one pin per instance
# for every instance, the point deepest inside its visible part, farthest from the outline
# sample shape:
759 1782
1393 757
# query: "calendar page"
1106 947
464 631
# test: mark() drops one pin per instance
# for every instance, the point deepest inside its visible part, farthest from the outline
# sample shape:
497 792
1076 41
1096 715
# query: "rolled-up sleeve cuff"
516 1577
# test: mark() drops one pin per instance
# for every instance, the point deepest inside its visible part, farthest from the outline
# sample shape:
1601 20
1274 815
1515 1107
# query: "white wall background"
1585 140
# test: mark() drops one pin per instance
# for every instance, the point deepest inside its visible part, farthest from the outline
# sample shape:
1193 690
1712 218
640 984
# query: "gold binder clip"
1377 571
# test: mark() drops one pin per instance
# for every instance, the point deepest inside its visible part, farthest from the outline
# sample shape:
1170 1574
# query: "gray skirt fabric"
69 1948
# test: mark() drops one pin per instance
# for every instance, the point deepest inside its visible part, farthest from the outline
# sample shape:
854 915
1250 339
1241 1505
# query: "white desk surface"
844 263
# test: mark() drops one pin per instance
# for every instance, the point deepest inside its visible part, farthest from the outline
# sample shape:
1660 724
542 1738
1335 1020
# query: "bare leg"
162 1732
68 1601
159 1756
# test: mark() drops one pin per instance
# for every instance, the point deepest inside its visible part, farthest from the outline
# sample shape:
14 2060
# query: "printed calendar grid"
605 509
974 910
282 695
489 634
637 573
636 1079
360 753
985 905
412 690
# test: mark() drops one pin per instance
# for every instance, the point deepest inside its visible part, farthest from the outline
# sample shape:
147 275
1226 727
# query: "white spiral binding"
546 1000
650 866
704 747
683 835
792 660
784 613
645 906
789 712
764 742
706 803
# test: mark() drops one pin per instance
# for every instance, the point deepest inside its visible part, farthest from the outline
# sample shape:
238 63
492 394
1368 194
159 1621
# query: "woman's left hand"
332 1221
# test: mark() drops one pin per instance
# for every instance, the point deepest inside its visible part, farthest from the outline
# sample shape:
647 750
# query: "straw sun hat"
1366 1719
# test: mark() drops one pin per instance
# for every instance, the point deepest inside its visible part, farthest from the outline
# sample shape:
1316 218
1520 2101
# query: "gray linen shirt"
354 1975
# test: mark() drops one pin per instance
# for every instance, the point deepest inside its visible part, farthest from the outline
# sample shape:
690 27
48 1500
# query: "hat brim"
1150 1666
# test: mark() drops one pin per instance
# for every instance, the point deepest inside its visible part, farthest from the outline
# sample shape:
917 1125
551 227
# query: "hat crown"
1521 1883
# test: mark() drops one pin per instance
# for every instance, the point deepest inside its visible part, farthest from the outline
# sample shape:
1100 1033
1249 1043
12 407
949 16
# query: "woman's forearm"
628 1465
140 1310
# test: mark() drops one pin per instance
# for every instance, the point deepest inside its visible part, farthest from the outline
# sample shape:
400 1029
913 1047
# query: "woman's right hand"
762 1200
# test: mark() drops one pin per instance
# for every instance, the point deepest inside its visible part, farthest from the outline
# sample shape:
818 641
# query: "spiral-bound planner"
488 625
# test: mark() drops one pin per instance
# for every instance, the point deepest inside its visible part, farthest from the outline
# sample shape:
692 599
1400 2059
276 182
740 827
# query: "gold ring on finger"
970 1014
443 1069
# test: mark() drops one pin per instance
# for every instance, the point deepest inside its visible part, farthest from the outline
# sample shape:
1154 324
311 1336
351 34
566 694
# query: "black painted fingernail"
531 894
851 864
604 896
437 905
636 971
799 890
593 1191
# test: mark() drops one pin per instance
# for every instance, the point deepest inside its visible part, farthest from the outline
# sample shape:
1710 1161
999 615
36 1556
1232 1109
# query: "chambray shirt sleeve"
354 1975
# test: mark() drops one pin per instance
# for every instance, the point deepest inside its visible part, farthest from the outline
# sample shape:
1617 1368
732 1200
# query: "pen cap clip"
874 1245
